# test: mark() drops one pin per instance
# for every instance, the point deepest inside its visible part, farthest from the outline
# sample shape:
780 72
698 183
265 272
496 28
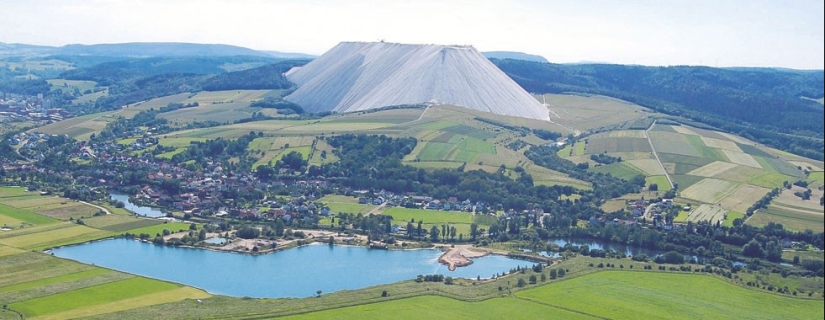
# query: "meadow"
791 219
648 295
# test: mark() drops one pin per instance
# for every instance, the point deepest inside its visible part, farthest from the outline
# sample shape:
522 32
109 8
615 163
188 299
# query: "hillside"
360 76
514 55
764 105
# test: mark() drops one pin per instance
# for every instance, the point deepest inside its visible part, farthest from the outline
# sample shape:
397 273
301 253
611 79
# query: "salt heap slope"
356 76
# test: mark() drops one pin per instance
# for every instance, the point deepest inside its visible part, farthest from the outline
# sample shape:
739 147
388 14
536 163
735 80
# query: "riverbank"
460 256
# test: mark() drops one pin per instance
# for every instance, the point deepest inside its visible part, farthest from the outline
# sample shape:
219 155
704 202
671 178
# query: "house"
434 205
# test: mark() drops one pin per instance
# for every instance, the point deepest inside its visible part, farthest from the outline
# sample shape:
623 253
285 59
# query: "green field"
158 229
91 296
434 307
24 216
647 295
57 237
660 181
12 192
402 215
622 170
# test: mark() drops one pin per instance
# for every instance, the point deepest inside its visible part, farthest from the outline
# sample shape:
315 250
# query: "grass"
402 215
158 229
618 169
732 215
6 192
117 222
435 151
578 148
30 266
434 307
91 296
649 295
183 293
25 216
612 145
660 181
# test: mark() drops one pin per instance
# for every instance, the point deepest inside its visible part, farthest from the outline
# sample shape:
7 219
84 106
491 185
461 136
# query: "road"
653 149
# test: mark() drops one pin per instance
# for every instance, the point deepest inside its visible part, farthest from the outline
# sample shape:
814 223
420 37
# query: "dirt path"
96 206
653 149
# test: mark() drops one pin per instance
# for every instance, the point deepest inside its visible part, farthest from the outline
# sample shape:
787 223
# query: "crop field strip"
611 145
622 170
709 213
710 190
744 197
648 166
791 220
713 169
742 158
673 143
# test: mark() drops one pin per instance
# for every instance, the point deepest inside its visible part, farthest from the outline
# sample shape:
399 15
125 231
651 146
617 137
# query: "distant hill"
289 55
157 49
134 50
14 49
514 55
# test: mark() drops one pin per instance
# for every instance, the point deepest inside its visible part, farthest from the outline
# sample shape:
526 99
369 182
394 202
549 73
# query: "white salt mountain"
356 76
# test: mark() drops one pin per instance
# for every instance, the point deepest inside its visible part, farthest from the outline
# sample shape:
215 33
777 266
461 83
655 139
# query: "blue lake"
139 210
297 272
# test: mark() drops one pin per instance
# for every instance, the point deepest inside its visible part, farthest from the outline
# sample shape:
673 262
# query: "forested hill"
264 77
762 104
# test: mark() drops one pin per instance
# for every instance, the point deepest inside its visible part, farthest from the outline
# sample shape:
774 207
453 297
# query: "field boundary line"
653 149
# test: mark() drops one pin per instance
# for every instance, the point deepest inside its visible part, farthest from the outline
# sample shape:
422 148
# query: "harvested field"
788 199
710 134
68 210
705 212
648 166
610 145
721 144
119 223
709 190
806 165
584 113
744 197
742 158
769 179
791 220
34 202
713 169
641 134
663 128
735 138
684 130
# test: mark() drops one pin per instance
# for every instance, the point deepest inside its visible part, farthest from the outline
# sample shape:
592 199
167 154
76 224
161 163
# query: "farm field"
650 167
612 145
435 307
622 170
713 169
791 219
72 233
345 204
710 190
705 212
787 199
744 197
15 215
589 112
667 296
660 181
81 127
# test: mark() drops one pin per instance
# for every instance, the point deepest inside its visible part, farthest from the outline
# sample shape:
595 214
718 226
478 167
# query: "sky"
717 33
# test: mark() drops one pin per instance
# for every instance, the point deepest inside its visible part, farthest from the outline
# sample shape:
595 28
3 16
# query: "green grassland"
622 170
24 215
70 85
434 307
158 228
660 181
91 296
636 295
403 215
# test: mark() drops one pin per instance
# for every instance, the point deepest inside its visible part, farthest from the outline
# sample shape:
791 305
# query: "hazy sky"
720 33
